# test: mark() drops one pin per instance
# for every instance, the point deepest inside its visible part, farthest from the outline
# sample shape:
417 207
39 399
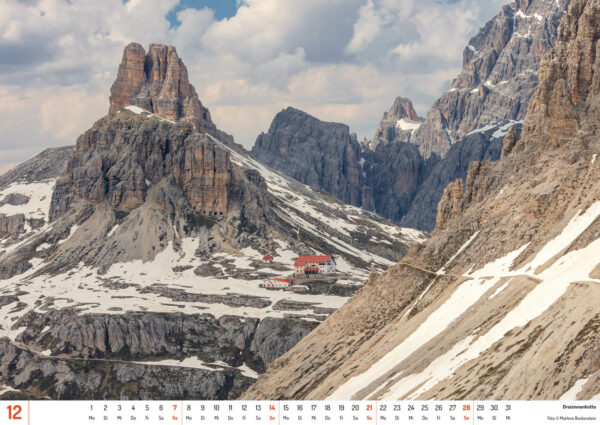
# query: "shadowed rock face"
327 156
499 74
130 77
393 174
475 147
158 82
497 81
319 154
123 155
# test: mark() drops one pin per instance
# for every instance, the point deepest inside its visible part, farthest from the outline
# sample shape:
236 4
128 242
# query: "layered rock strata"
158 82
499 74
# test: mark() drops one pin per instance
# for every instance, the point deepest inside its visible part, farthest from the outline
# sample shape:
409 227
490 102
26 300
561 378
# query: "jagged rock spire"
158 82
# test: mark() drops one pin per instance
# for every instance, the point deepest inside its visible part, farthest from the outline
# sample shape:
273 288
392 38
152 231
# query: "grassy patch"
196 220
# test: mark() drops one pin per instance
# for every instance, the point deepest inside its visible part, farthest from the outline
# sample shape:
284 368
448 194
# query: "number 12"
14 412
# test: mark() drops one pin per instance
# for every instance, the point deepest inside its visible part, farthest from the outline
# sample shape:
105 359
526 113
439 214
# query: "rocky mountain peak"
499 74
317 153
291 115
158 82
402 108
397 124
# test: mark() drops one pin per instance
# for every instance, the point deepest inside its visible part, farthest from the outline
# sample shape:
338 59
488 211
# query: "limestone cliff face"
451 203
130 77
320 154
498 77
122 156
158 82
393 173
567 98
327 156
524 231
11 225
509 142
204 173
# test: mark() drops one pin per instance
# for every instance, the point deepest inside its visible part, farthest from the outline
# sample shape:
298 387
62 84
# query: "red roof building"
267 259
313 264
306 259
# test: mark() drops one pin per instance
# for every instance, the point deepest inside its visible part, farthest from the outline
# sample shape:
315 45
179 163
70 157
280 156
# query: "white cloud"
65 110
366 28
341 60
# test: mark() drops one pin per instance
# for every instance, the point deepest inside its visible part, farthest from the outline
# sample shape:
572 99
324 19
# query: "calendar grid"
283 412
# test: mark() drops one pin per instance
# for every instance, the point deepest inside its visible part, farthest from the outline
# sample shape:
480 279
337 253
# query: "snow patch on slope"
574 390
39 194
555 280
404 124
139 111
463 297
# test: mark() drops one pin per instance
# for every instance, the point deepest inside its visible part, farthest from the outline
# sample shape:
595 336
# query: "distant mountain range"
130 264
402 172
502 301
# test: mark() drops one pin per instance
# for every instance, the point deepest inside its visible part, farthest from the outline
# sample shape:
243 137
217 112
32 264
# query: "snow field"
555 280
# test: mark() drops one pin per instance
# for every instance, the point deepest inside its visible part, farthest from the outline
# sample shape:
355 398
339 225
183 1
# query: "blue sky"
339 60
222 8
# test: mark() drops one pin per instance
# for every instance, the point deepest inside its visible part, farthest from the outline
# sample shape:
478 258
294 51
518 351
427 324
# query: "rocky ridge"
499 74
316 153
46 165
130 265
466 124
516 243
327 156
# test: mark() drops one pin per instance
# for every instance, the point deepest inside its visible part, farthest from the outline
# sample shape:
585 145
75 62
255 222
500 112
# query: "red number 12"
16 414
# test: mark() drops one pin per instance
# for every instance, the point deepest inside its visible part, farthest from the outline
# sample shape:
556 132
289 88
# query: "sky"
339 60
